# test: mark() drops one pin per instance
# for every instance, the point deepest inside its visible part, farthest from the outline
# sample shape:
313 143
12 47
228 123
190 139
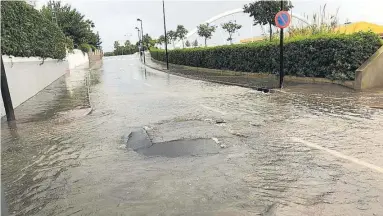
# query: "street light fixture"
138 31
142 38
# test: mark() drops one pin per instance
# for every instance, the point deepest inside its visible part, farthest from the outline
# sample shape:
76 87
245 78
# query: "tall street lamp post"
139 40
166 37
142 38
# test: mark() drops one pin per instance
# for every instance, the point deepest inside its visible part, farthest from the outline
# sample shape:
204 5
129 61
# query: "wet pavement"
237 78
309 150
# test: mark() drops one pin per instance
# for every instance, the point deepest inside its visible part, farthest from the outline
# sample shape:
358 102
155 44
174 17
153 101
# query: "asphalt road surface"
304 151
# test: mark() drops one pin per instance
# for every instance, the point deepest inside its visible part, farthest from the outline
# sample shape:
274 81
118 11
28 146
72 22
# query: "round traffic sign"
282 19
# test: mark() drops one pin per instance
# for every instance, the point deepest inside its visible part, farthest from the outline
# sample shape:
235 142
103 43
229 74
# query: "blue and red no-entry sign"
282 19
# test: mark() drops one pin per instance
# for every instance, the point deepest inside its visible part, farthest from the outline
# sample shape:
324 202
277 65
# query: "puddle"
140 142
178 148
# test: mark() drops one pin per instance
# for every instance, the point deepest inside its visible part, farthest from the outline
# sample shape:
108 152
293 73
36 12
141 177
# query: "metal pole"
139 42
166 37
281 73
138 34
142 39
7 100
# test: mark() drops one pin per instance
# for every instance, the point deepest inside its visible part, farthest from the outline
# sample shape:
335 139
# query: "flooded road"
296 152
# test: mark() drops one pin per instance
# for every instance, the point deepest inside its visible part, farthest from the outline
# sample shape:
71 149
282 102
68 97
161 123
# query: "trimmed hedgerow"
333 56
25 32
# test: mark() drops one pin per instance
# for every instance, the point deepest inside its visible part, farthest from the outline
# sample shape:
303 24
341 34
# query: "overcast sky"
116 19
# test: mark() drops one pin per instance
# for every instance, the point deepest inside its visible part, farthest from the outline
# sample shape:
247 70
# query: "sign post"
282 20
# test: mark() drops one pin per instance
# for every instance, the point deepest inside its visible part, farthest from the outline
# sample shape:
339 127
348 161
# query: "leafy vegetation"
108 53
195 43
148 41
72 23
320 23
206 31
181 32
263 12
231 27
25 32
187 43
161 40
333 56
126 49
85 48
28 32
172 37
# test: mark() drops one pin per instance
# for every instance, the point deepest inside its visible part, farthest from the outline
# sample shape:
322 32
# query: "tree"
116 44
187 43
172 36
127 48
146 40
195 43
161 40
231 27
26 32
206 31
127 43
98 41
72 23
152 42
263 12
181 32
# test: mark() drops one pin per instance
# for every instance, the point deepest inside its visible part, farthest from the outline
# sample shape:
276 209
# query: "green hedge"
334 56
25 32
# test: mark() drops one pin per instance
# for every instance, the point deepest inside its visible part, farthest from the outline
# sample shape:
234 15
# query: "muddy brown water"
60 158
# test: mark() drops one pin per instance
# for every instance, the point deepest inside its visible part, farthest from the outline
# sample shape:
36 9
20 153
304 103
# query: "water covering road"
296 152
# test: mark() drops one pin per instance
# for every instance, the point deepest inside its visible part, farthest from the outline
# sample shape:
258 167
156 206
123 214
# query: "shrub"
92 48
320 23
109 54
85 48
333 56
25 32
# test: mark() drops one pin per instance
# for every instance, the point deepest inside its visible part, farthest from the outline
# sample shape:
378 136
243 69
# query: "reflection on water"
65 157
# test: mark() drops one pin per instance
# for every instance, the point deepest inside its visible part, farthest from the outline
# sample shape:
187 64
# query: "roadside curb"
264 89
88 80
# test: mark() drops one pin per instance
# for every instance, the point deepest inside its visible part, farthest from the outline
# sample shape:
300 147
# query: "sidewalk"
219 76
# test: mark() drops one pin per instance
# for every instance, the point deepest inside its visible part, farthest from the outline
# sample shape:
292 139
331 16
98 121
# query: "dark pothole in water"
140 142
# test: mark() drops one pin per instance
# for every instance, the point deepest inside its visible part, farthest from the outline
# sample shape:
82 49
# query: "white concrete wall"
77 59
27 76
